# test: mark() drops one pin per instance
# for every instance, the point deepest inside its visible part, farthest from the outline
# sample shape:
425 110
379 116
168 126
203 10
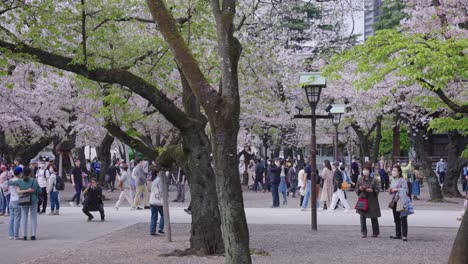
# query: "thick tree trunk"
459 252
378 138
104 156
206 236
231 203
396 143
455 164
422 148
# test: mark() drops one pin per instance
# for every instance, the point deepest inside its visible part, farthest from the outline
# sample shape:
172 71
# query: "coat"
327 190
372 197
93 198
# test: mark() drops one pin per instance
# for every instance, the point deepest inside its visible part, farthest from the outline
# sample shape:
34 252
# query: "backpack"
59 184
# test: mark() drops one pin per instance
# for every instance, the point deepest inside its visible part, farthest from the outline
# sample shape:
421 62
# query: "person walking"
441 169
181 181
338 193
93 200
77 182
283 186
113 172
367 188
29 188
15 210
259 170
267 186
301 181
275 179
465 179
140 180
125 181
399 191
309 184
354 171
417 177
53 191
156 204
293 179
327 190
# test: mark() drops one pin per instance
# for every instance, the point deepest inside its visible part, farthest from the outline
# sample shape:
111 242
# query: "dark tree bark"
459 253
396 142
455 163
222 109
378 138
104 155
422 148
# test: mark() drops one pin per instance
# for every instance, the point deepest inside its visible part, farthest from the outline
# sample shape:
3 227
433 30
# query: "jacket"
337 180
156 192
372 197
275 177
93 198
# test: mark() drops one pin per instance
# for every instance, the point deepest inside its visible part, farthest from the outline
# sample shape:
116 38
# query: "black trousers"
401 223
100 209
375 226
43 201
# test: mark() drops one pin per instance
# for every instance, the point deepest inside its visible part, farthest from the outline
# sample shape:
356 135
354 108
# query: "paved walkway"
70 229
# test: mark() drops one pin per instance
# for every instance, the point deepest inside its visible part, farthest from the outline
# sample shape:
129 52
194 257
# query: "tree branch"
451 104
135 143
117 76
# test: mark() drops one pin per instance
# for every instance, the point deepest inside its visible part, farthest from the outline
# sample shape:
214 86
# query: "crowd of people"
402 181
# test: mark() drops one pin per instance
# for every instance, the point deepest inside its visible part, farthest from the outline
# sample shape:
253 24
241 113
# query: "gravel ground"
286 244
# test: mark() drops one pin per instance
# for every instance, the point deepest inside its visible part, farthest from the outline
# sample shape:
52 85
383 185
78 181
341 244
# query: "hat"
33 161
17 170
336 164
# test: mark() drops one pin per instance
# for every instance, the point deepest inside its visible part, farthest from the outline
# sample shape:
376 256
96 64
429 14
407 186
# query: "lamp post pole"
313 168
336 142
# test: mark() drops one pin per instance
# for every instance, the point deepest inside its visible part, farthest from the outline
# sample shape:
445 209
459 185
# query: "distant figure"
156 202
441 169
354 170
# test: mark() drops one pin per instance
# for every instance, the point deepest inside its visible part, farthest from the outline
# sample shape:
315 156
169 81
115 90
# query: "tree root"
190 252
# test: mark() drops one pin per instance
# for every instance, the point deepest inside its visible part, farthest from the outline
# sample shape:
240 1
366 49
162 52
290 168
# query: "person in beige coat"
327 189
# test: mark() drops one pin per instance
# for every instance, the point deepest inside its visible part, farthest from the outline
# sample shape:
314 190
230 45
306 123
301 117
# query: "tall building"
371 14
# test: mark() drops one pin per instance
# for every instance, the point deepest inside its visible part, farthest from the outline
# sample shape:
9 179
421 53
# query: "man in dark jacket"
259 170
93 200
275 179
337 192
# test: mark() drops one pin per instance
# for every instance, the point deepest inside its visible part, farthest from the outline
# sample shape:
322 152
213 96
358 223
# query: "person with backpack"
53 191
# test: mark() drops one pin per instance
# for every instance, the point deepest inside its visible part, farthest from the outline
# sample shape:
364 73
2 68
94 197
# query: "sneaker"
103 219
90 218
139 208
72 204
375 235
395 237
25 238
33 238
161 232
153 234
147 207
57 213
363 236
10 238
303 209
51 213
405 239
188 211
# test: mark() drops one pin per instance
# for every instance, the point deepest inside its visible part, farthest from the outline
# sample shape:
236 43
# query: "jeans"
25 211
180 192
15 219
275 194
155 209
141 189
375 226
258 183
2 202
401 223
44 200
441 177
285 197
54 201
77 195
90 216
7 198
307 195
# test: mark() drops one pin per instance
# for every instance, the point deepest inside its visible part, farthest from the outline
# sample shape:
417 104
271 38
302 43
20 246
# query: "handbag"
400 207
26 198
391 204
362 204
409 207
344 186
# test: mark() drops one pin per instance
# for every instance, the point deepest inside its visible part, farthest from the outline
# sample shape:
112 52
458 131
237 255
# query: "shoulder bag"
26 198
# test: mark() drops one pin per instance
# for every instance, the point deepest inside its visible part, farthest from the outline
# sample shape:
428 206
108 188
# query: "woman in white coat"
156 204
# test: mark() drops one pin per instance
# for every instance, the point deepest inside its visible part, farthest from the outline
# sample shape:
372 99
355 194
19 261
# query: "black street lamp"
337 111
313 83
